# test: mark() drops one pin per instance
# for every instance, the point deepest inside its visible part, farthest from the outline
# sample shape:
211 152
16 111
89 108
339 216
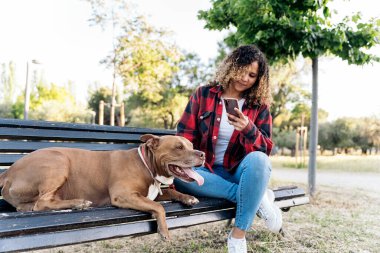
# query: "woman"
237 166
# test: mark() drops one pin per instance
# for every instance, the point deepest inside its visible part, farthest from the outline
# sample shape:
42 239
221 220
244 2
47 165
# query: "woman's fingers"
241 115
240 122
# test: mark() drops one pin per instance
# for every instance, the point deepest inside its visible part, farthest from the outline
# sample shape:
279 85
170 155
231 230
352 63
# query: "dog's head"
175 156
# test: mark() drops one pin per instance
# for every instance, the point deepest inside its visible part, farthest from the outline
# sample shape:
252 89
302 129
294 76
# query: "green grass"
347 163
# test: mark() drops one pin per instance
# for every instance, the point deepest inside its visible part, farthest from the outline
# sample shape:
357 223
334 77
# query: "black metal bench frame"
35 230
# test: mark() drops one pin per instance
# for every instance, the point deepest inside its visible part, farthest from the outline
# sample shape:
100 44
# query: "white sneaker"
270 195
270 212
236 245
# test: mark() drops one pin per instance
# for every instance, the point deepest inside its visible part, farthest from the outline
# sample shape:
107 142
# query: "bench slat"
15 123
23 146
282 194
61 238
32 222
49 134
8 159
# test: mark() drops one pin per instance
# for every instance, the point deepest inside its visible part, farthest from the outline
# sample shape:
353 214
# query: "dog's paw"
190 201
164 236
83 205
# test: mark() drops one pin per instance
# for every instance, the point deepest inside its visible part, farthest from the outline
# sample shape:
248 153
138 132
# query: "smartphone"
230 104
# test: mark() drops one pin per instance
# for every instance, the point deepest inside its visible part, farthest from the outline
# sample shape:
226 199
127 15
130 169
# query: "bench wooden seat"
34 230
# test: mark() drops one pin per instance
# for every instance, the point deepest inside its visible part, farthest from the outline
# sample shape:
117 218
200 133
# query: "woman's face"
246 80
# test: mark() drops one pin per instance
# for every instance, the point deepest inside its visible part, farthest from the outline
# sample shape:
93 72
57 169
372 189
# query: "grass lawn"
348 163
335 221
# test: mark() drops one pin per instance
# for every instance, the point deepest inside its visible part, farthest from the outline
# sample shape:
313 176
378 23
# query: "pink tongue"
194 175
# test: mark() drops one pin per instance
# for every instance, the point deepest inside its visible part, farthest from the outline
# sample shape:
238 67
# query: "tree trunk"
313 129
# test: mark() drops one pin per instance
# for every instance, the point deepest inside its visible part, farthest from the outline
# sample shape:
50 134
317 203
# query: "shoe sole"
278 215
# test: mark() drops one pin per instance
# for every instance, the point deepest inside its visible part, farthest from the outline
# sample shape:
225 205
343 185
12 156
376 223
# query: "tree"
286 29
147 62
53 103
7 82
366 134
192 71
102 93
116 13
165 113
286 89
285 138
7 87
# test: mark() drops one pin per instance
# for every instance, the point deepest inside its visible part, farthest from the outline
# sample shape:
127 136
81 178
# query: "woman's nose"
244 78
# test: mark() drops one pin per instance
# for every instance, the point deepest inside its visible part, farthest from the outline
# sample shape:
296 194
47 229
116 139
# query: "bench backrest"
20 137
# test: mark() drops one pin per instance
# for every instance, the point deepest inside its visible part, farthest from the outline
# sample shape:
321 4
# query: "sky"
58 35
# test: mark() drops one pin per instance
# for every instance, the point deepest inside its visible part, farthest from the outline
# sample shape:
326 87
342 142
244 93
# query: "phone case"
230 104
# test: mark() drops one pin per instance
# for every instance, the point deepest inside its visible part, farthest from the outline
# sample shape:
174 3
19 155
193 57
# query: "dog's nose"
201 154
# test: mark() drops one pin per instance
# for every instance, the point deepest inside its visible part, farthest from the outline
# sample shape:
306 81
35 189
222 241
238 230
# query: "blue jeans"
245 187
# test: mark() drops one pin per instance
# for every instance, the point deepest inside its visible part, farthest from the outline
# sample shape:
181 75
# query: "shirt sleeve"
188 123
257 136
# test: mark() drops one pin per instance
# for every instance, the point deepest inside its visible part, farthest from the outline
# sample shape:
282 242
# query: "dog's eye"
180 147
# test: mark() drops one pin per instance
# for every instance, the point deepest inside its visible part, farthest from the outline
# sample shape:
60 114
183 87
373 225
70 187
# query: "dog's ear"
151 140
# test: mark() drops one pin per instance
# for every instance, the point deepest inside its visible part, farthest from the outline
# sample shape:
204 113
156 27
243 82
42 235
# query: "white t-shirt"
225 133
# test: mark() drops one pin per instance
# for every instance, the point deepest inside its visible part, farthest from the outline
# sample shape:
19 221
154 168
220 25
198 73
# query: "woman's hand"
238 122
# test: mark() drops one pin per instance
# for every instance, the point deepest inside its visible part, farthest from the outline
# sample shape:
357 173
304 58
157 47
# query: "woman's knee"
258 157
259 162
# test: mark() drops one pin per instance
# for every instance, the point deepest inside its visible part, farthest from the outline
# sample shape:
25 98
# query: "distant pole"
27 89
101 112
27 92
122 115
313 129
113 105
297 145
302 138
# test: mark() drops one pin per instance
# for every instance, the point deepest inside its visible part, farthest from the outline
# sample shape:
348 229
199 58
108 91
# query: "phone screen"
230 104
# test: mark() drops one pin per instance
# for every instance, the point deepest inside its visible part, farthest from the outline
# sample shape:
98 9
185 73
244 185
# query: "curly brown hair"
236 64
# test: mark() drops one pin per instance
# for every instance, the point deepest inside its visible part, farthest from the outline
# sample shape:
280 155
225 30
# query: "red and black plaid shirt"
200 124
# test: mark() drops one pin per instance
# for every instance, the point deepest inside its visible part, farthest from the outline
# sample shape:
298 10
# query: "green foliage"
157 76
163 114
148 64
346 133
284 138
285 29
102 93
7 82
55 110
192 72
145 60
6 110
367 134
53 103
287 92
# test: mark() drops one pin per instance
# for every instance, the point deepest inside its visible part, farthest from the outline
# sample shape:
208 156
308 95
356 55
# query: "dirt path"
367 181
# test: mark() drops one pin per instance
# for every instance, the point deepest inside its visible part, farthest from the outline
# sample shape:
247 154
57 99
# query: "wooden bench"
35 230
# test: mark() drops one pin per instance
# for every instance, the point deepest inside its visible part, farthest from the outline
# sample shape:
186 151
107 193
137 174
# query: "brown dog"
62 178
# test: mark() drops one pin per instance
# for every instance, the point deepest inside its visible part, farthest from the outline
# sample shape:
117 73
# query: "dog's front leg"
136 201
171 194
